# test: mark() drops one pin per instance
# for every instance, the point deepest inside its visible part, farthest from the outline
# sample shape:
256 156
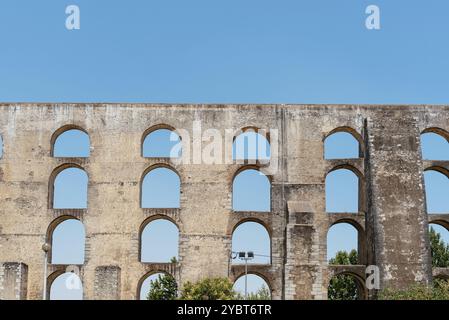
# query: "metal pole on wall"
246 278
45 247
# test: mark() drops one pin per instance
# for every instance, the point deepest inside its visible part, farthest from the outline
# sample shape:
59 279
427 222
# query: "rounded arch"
252 128
259 151
55 174
174 199
252 235
147 133
346 129
146 276
252 219
155 217
52 278
50 234
436 186
155 128
337 187
435 144
440 222
62 130
146 223
251 190
362 292
439 169
260 275
157 166
438 233
347 167
349 221
438 131
251 167
52 226
341 238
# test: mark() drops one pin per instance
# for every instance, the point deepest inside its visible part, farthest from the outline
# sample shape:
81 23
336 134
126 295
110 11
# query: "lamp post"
45 247
246 256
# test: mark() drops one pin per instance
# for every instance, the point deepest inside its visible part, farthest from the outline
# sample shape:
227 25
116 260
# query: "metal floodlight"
250 255
242 255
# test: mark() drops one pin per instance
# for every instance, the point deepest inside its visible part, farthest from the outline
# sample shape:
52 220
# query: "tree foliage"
343 287
262 294
440 250
209 289
440 291
163 288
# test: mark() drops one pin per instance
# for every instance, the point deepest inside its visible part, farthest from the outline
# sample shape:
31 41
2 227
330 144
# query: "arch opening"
251 191
66 286
253 237
70 188
251 145
342 144
164 142
153 280
439 245
257 288
436 190
68 239
161 188
346 286
343 191
159 242
435 144
70 142
343 244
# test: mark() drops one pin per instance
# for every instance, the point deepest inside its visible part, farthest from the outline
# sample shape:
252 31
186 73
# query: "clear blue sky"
225 51
286 51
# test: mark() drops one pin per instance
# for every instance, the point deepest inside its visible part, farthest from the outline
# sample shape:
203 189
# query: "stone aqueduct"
392 220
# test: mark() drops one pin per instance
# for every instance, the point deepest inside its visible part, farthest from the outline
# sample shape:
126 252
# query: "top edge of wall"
215 105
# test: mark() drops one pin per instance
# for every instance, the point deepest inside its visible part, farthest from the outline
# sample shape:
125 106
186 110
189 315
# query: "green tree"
439 291
173 260
163 288
439 250
262 294
343 287
208 289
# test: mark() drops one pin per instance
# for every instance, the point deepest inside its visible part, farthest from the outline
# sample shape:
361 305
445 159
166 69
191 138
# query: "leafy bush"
439 291
209 289
343 287
163 288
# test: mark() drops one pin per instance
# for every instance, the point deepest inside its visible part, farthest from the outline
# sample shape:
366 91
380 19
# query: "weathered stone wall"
392 220
107 283
13 281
